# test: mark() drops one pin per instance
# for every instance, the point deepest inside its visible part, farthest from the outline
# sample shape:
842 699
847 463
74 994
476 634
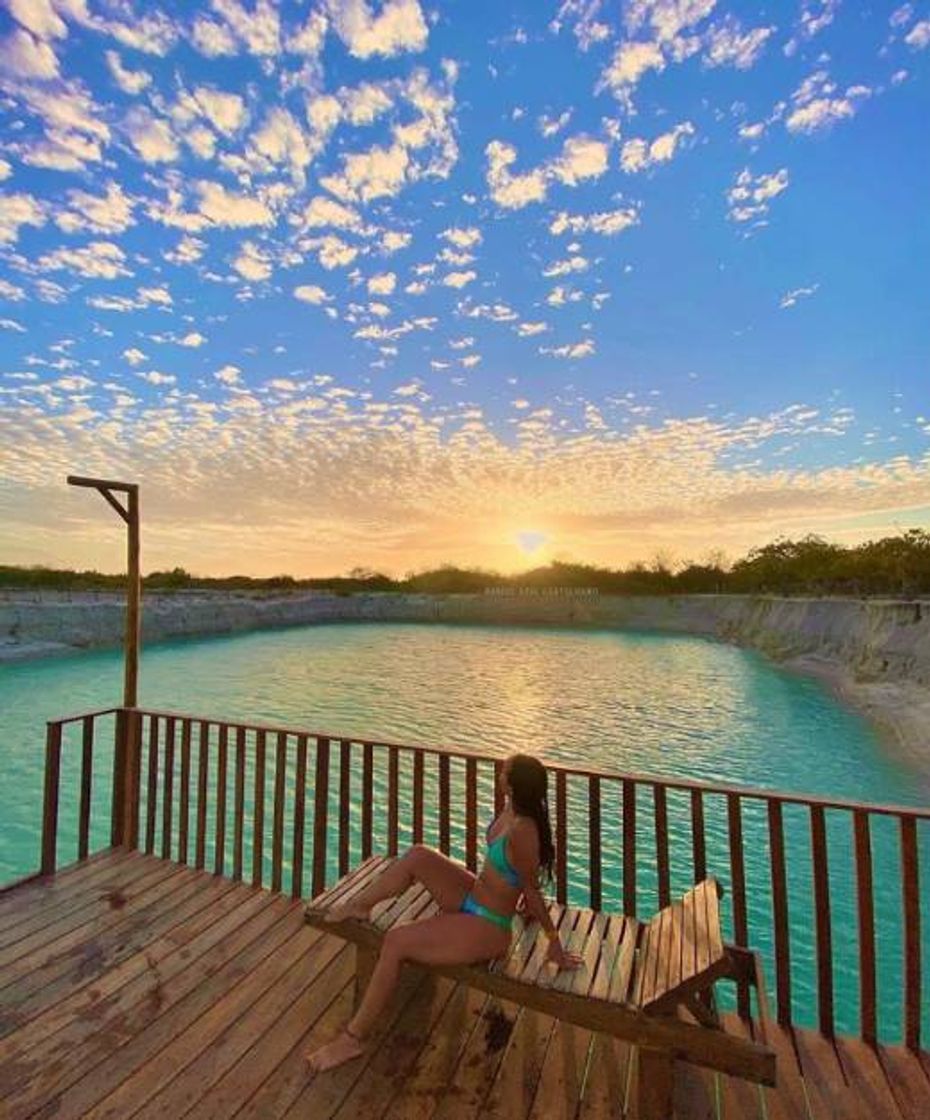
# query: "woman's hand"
560 958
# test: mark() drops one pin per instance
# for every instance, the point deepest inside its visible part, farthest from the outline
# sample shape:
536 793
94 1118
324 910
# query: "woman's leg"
444 939
447 881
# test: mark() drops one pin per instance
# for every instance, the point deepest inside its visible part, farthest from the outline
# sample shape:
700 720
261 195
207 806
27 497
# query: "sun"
531 541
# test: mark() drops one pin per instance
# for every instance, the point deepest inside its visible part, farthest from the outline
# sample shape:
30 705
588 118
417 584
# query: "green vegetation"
811 566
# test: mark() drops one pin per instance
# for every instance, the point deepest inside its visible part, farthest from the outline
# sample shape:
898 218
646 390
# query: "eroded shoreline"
874 655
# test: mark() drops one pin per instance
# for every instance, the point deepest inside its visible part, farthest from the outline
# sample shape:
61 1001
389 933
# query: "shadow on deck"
131 986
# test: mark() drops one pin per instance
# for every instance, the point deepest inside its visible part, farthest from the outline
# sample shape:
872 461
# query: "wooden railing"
829 890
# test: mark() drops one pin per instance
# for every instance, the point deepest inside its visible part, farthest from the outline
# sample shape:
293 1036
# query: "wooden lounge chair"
650 983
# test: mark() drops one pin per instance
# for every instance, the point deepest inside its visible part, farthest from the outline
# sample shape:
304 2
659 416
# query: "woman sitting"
476 910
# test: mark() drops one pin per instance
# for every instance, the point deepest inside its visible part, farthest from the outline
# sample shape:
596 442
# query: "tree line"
898 566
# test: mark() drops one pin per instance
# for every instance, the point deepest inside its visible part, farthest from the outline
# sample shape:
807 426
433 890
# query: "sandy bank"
874 654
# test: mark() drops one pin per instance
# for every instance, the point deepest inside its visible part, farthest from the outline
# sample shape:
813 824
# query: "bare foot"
339 913
344 1047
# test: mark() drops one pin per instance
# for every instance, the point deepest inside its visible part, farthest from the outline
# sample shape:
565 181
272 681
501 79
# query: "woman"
476 911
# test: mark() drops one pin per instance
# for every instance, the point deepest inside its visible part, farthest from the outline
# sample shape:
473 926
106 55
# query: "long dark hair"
528 789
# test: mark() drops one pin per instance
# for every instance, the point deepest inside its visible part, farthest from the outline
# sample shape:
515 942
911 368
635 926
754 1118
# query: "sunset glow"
368 283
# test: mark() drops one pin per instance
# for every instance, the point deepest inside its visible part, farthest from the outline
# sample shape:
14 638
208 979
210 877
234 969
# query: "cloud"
281 140
97 260
323 211
607 222
728 45
188 250
462 238
630 62
392 240
129 81
563 268
459 279
39 17
224 208
815 16
587 28
308 40
193 340
582 158
789 299
151 136
225 111
252 262
16 211
378 172
109 213
919 35
383 284
22 56
158 295
365 103
583 349
749 197
817 107
259 31
638 155
513 192
135 356
229 374
11 292
527 330
399 27
311 293
213 39
332 251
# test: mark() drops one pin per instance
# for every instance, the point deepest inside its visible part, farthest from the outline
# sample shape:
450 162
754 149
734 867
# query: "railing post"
50 814
127 753
119 777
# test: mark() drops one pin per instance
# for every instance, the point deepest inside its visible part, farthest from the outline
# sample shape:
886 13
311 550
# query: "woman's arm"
524 856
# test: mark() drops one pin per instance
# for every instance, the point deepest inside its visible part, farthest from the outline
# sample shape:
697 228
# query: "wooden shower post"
125 811
130 514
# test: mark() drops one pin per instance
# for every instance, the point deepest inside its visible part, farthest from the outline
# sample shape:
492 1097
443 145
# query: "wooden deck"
131 986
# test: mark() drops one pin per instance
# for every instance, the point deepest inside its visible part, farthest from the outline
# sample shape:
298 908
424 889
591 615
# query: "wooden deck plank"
40 906
154 1022
125 897
421 1092
35 1038
322 1095
509 1075
209 1011
222 1042
827 1091
56 976
289 1079
696 1096
161 1068
604 1093
558 1091
396 1057
908 1081
18 900
866 1078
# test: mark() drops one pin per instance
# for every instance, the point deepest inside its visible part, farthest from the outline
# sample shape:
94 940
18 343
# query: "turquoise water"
655 704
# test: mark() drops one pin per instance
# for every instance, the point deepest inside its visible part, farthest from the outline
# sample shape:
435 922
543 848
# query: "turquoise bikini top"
497 858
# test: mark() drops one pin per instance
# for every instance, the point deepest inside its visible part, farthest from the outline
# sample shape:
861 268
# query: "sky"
395 284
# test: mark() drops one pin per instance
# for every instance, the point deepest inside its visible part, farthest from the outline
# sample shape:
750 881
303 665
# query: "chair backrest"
681 950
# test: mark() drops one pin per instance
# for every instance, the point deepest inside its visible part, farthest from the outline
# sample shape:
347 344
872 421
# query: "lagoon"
660 704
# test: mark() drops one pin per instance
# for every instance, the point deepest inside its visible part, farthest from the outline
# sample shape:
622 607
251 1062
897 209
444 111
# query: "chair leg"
365 960
655 1084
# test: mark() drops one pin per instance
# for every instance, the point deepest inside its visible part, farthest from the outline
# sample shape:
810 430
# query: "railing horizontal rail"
757 793
834 893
